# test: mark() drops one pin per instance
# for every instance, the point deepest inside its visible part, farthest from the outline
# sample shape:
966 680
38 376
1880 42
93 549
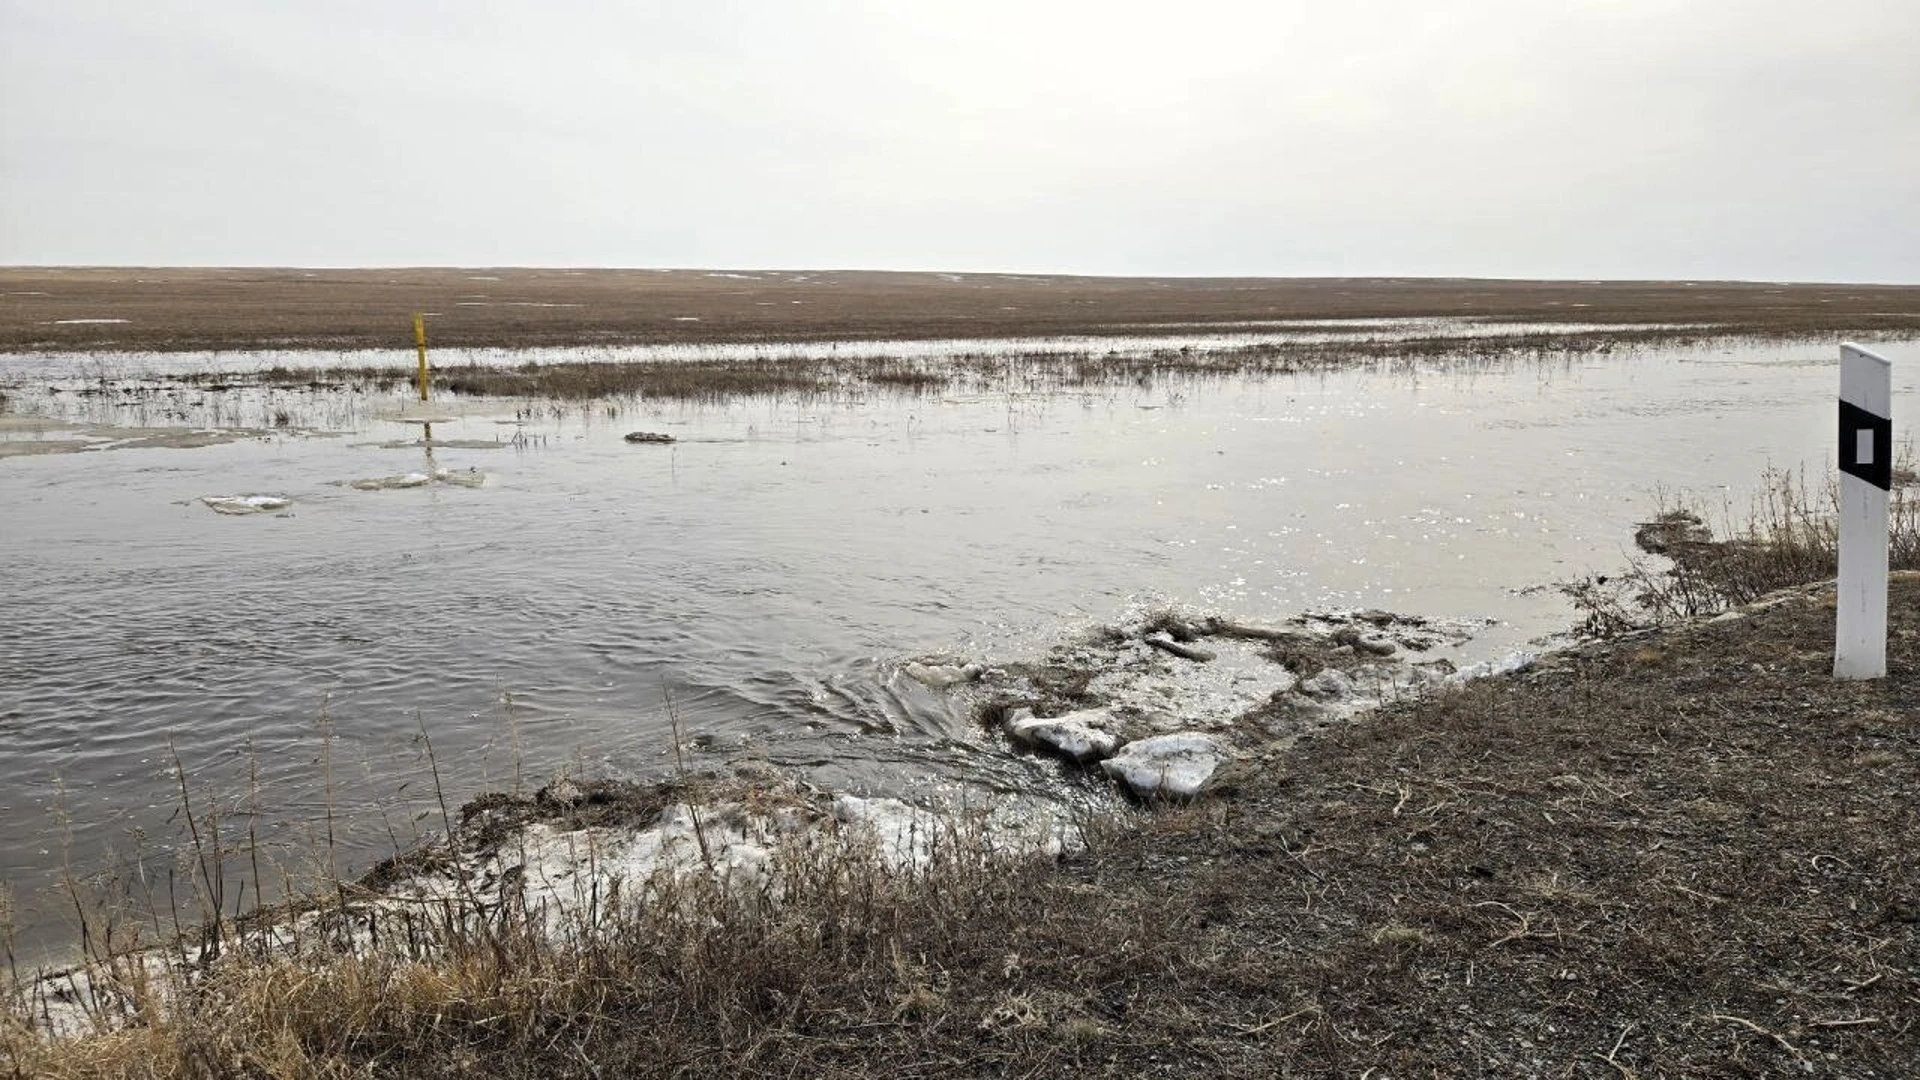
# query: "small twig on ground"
1854 988
1758 1030
1612 1056
1698 895
1278 1020
1526 923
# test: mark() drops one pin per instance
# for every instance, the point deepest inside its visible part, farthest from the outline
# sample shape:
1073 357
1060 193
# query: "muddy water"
767 573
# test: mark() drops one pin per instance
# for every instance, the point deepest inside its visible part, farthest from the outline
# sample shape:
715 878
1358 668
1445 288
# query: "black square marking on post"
1853 420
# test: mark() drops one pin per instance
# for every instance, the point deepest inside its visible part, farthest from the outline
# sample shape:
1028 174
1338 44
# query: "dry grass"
1045 373
1682 854
1789 537
591 381
837 955
1687 855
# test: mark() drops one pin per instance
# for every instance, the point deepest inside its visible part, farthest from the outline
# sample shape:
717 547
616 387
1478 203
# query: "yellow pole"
420 344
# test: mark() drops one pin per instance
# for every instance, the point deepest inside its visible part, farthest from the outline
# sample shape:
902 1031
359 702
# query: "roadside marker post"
1866 475
420 344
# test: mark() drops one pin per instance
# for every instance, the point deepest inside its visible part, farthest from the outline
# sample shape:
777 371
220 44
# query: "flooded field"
536 594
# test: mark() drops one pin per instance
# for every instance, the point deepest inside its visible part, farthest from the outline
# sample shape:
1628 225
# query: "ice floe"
245 504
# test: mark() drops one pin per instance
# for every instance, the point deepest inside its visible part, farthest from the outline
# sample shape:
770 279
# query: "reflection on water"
770 570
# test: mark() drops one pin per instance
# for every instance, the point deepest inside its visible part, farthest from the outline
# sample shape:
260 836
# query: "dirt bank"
174 309
1687 853
1684 853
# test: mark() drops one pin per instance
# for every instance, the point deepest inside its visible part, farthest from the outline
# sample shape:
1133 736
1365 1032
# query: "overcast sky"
1756 139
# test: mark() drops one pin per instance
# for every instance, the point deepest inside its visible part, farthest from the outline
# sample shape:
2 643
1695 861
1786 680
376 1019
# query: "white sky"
1517 138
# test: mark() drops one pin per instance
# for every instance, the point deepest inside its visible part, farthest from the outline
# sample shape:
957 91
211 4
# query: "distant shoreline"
85 309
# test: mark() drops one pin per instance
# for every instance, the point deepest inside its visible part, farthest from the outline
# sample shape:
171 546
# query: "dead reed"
837 946
1790 536
1065 371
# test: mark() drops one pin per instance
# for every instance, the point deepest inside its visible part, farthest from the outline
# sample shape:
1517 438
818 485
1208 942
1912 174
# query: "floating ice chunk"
1177 766
1080 736
85 322
245 504
382 483
467 478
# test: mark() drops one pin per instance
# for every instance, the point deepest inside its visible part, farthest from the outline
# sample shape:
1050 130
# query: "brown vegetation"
717 379
176 309
1791 536
1681 853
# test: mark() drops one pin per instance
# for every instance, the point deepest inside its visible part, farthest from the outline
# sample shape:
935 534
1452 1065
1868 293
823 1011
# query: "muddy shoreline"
82 309
1682 852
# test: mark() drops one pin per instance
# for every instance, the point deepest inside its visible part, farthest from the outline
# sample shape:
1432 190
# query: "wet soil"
192 309
1683 853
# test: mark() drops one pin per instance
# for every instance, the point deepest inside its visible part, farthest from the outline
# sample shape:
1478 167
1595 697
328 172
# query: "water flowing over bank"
770 573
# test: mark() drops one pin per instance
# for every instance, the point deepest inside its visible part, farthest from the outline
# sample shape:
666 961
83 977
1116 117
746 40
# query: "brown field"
177 309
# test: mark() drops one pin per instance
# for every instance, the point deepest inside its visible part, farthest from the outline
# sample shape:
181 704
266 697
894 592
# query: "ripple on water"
775 569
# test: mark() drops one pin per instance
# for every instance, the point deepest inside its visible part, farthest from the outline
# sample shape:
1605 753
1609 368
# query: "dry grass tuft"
1789 538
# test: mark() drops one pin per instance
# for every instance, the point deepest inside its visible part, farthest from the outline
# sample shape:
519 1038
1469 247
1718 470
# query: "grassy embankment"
1681 851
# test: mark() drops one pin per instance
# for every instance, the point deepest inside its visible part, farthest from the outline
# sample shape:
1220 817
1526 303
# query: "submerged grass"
593 380
1789 537
1064 371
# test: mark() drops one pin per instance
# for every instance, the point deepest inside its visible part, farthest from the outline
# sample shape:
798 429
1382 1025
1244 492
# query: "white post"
1866 467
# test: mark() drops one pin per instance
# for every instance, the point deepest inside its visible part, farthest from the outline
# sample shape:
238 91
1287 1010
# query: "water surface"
768 572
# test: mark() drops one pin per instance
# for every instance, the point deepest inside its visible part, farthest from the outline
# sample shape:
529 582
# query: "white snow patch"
1178 766
1518 660
1087 735
910 836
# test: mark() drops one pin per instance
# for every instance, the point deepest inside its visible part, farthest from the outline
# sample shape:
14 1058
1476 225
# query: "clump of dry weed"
1789 538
